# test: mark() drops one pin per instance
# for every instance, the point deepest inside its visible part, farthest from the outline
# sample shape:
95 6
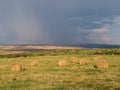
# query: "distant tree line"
113 51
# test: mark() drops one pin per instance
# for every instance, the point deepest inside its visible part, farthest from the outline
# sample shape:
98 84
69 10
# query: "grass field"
49 76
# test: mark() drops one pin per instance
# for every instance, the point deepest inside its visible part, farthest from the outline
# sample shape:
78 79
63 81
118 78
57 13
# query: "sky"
60 22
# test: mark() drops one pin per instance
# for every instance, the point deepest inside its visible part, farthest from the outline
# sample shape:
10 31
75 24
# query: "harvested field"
48 75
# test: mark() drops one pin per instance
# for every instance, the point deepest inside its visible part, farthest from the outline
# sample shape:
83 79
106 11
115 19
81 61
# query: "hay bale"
17 67
62 63
101 64
34 63
74 60
83 61
97 57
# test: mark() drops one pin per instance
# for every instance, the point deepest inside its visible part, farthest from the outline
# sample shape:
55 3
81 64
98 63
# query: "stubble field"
48 75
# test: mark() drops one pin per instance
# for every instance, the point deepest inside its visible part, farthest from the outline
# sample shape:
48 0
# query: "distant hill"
98 46
37 47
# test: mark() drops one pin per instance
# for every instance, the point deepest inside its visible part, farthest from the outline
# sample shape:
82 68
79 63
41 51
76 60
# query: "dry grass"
49 76
83 61
62 63
17 67
34 63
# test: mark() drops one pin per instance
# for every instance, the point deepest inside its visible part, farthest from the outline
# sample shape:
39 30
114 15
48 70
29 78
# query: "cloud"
116 20
97 22
103 29
98 38
105 38
105 33
25 26
2 34
59 22
75 18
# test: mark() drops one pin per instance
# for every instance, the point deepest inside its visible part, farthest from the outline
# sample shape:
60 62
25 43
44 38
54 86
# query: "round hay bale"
17 67
34 63
83 61
97 57
74 60
62 63
102 64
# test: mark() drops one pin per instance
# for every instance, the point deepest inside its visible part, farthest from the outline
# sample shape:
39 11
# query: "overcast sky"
62 22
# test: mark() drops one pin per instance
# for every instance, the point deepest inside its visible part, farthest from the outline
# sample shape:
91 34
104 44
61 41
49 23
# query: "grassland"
49 76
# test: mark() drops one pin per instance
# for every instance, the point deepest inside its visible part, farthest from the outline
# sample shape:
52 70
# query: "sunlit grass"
49 76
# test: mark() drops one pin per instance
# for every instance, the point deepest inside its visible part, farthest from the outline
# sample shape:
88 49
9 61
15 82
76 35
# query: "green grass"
49 76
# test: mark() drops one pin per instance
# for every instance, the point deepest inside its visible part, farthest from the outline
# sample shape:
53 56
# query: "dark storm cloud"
58 21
